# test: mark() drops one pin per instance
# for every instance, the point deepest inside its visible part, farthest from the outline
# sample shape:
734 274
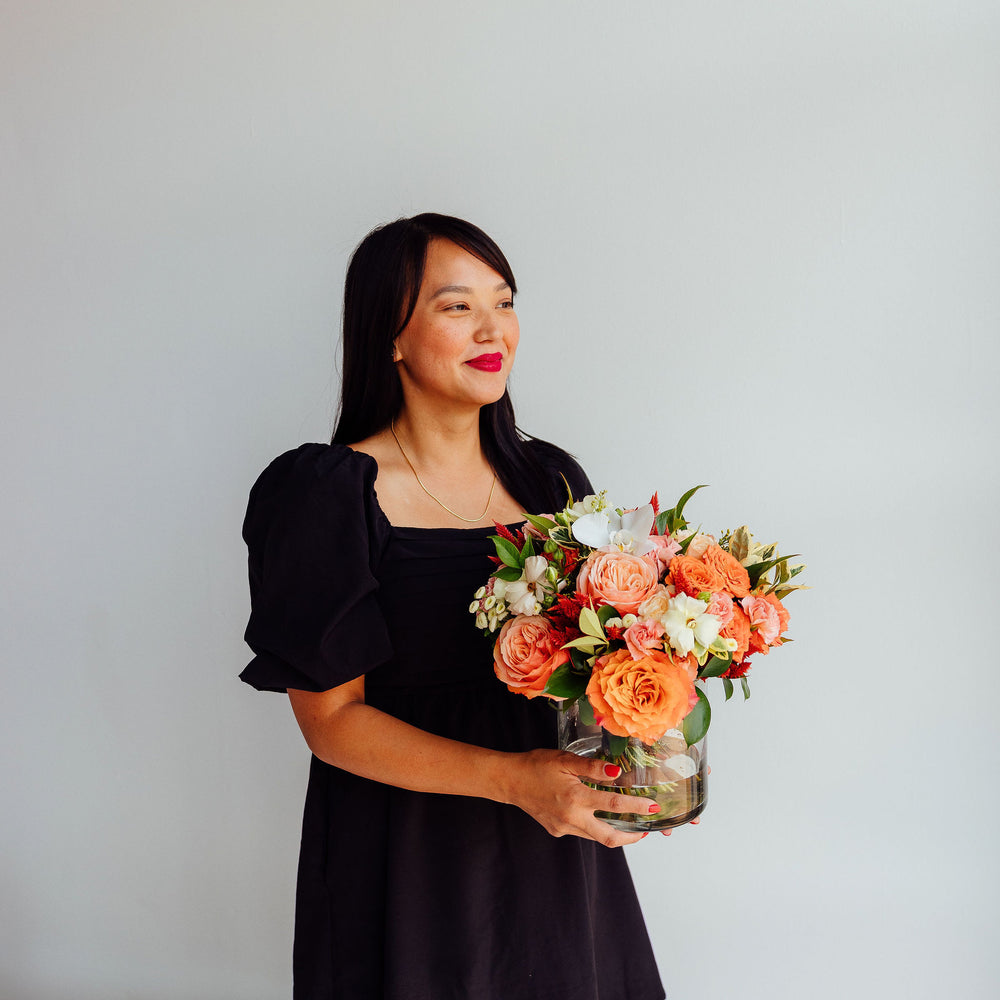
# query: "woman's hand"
546 785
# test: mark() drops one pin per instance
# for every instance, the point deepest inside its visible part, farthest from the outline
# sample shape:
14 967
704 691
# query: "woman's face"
459 344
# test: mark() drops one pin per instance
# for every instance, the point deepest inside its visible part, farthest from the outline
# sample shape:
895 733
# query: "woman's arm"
342 730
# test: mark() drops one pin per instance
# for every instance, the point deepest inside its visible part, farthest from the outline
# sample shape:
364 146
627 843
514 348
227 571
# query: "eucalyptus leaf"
696 722
508 552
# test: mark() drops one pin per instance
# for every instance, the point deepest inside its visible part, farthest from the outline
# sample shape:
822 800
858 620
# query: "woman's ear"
395 352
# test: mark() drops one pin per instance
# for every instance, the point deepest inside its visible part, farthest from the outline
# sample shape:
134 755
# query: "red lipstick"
487 362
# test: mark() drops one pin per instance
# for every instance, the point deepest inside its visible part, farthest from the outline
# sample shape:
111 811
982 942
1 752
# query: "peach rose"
697 546
655 606
617 578
764 623
525 655
693 577
642 698
738 629
730 569
643 636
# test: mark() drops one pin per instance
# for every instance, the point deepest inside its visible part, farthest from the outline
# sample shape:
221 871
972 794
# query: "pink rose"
525 655
666 548
765 625
721 605
617 578
643 636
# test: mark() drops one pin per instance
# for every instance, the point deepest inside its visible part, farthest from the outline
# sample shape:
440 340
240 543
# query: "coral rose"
526 653
730 569
693 577
642 698
617 578
738 628
721 605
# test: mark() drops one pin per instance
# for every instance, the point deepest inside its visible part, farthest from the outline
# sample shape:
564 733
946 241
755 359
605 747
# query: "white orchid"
628 532
524 596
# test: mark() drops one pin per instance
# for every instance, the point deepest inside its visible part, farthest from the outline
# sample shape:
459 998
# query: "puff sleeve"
314 532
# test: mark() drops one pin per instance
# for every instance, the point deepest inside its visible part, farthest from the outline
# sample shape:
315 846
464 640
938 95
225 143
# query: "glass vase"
668 771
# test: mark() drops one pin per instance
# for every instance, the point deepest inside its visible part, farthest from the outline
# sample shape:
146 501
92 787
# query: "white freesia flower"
688 625
628 532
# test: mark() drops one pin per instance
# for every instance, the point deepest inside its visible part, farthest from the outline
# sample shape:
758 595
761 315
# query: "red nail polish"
646 834
612 770
654 808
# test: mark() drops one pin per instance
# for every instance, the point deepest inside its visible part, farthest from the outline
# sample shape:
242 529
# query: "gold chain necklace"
468 520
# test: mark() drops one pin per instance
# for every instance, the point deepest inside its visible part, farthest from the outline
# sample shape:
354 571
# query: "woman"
435 861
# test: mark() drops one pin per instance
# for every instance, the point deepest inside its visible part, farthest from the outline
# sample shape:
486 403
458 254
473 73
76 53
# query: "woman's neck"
438 441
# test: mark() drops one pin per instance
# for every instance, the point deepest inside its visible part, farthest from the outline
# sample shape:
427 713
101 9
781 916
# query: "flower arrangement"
622 612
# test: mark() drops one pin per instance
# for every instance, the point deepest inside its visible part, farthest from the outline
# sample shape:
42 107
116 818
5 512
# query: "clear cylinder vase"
669 771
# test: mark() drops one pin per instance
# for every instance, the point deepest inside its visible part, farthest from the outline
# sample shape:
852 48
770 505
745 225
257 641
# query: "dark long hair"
380 294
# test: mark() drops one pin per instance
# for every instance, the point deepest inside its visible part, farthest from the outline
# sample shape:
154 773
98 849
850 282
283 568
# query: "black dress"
406 895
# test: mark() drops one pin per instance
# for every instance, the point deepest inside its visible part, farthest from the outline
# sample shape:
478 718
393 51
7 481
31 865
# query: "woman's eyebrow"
464 289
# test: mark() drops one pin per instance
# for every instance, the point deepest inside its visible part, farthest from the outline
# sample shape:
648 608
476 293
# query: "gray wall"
770 229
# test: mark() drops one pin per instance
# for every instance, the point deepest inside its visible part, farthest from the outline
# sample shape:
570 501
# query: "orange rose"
525 655
738 628
737 580
617 578
693 577
642 698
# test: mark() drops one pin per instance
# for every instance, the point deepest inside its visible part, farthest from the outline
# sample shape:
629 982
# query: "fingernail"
612 770
654 808
646 834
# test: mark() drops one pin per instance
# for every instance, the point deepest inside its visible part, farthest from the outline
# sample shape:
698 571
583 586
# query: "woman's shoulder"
312 478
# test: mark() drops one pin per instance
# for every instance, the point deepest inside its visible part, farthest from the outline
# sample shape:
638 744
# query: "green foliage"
669 521
727 686
508 553
715 666
697 721
565 682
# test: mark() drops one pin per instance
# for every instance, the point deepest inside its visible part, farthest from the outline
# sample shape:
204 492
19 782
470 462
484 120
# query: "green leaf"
678 511
581 662
696 722
617 745
663 522
590 642
727 686
508 573
507 551
757 570
591 624
543 524
746 688
586 711
715 666
606 612
566 683
569 491
527 549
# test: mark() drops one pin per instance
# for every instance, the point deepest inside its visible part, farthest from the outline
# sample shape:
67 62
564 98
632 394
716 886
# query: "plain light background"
758 246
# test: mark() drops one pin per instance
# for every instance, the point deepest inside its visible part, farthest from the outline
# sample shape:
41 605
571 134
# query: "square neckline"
415 527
